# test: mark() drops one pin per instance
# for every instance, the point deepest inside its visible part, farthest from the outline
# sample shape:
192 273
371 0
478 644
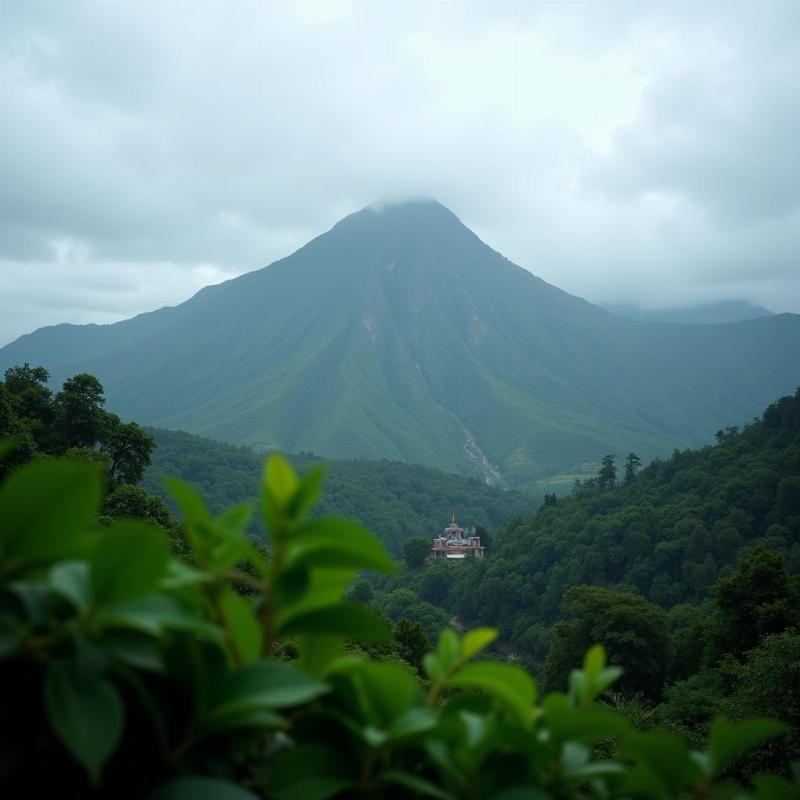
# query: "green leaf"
179 575
248 695
70 580
134 649
47 509
310 772
387 692
448 650
730 739
594 661
590 682
510 685
326 586
317 652
433 669
291 585
242 625
664 766
476 640
351 620
87 715
269 684
307 493
156 614
201 789
584 724
280 480
188 500
335 542
417 786
236 519
128 563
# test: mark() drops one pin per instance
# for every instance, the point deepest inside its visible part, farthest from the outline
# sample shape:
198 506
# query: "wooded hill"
395 500
668 534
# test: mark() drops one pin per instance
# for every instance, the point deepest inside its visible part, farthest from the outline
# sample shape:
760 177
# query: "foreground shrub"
127 671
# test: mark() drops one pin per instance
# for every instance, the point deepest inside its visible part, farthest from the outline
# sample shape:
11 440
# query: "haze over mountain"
400 334
705 314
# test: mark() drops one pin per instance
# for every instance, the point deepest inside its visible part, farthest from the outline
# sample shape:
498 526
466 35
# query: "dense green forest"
395 500
668 532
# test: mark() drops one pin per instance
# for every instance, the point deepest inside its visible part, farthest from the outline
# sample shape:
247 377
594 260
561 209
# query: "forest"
686 570
321 659
396 500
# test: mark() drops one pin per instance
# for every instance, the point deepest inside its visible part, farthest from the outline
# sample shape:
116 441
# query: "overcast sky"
642 152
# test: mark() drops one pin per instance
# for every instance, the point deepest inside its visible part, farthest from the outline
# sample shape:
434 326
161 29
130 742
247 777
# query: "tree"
759 599
768 685
416 551
30 400
632 464
131 501
128 447
411 643
607 476
404 604
79 418
361 592
435 582
11 426
629 626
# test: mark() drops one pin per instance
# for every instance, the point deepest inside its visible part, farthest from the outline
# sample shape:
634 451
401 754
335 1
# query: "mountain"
399 334
395 500
707 314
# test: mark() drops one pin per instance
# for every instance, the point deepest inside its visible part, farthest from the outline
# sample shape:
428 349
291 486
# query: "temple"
457 543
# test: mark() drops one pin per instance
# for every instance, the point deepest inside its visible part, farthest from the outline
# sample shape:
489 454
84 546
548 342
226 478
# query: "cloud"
621 151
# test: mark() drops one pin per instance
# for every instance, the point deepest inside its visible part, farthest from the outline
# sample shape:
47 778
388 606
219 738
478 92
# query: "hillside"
395 500
399 334
668 534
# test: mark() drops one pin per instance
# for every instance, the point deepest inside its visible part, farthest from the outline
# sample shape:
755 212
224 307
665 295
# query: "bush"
128 672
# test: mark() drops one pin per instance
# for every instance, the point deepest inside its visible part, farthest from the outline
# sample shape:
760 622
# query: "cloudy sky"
640 152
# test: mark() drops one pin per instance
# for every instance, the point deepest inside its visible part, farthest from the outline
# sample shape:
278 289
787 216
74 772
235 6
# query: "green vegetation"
668 534
73 422
686 571
132 672
396 500
399 334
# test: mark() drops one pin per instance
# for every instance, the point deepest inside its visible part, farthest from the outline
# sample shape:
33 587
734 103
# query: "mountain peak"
423 213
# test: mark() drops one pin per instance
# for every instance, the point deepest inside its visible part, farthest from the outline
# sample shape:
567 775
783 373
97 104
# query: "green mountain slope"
395 500
399 334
